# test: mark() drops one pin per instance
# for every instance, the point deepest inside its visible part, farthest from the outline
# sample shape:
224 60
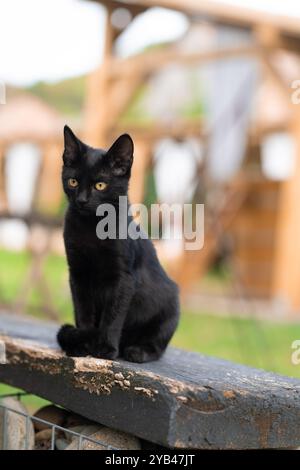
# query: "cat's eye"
100 186
72 182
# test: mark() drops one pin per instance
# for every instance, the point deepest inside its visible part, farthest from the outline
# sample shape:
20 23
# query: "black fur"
125 305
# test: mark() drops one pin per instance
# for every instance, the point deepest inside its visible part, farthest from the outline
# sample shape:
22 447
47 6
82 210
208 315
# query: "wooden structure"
184 400
27 119
274 38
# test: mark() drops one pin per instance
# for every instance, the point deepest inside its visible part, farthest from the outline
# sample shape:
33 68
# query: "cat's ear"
120 155
73 147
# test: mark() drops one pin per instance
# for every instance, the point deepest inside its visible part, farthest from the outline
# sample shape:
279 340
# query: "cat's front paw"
137 354
104 351
78 351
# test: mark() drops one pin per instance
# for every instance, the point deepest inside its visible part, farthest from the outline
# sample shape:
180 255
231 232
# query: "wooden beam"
212 10
135 9
290 43
179 129
34 218
121 92
149 62
184 400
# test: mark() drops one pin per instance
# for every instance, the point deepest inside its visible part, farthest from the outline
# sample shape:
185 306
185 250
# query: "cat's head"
95 176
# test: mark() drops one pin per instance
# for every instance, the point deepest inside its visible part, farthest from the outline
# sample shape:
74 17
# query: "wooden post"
285 282
98 90
142 157
286 274
3 197
108 95
49 191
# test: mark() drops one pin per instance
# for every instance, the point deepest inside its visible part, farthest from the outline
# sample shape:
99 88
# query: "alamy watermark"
163 221
295 356
2 93
295 96
2 352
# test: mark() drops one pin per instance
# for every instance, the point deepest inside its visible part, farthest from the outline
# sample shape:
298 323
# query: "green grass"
12 277
262 344
32 402
257 343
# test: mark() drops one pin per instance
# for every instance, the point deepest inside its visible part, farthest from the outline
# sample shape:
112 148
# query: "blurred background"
208 90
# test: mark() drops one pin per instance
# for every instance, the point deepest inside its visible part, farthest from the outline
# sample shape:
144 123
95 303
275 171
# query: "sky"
55 39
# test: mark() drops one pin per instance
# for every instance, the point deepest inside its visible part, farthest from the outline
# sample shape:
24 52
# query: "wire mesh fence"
81 438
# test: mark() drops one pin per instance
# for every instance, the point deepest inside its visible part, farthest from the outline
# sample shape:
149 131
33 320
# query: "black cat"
125 305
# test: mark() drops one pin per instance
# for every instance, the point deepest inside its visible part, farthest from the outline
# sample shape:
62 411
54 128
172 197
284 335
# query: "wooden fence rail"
184 400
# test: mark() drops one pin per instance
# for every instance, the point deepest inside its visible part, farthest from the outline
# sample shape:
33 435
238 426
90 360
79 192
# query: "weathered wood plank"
183 400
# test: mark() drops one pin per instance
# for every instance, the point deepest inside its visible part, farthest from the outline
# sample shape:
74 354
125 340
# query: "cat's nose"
81 200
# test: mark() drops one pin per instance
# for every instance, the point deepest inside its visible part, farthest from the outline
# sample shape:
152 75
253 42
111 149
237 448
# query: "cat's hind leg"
151 343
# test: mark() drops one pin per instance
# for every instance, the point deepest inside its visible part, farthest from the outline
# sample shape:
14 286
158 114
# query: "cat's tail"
75 341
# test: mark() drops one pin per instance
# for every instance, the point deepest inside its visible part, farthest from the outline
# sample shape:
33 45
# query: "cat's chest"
90 257
98 260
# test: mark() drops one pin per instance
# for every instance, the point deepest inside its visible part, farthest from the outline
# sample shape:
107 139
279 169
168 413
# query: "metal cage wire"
54 427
